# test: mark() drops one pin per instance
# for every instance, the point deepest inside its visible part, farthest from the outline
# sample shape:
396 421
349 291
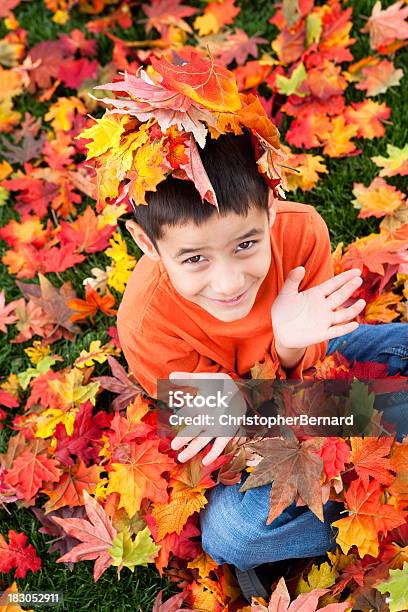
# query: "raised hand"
316 314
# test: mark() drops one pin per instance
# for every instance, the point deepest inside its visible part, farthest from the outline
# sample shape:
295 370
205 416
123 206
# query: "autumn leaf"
367 517
378 78
396 162
70 488
95 534
380 308
201 80
93 302
378 199
17 553
128 552
293 468
369 116
30 470
54 302
280 601
140 476
369 456
121 383
385 26
84 233
396 586
6 312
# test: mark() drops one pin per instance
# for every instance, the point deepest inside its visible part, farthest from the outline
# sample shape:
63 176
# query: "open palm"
315 315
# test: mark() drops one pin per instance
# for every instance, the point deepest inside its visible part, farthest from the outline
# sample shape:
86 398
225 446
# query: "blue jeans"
233 524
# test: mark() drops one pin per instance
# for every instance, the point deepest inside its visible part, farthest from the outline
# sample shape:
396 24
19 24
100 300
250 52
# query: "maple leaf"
335 453
92 303
378 78
30 469
170 605
396 162
128 552
369 456
236 46
280 601
215 16
308 166
51 55
367 517
73 72
28 148
399 460
87 431
200 79
7 6
380 308
338 143
84 234
368 116
385 26
396 586
17 553
140 476
54 302
294 469
6 312
162 13
62 542
95 534
69 491
378 199
121 382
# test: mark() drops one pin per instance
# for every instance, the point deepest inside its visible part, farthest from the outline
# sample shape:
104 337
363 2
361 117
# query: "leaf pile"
80 443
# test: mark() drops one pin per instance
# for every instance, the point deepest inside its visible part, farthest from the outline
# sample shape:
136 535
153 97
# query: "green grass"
332 198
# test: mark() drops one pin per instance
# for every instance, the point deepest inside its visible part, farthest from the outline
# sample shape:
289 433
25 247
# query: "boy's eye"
192 259
247 244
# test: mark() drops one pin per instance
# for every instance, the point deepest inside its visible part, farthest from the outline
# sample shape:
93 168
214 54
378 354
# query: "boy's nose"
227 286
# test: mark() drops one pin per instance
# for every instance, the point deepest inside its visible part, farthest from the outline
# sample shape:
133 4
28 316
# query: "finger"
338 281
193 448
185 436
338 298
345 314
218 447
341 330
293 280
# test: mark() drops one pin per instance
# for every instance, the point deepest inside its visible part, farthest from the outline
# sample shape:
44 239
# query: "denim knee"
234 529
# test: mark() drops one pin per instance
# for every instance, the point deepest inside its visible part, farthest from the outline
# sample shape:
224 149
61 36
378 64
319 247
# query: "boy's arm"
154 355
318 264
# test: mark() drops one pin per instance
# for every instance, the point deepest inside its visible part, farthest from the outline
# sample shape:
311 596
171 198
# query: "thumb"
293 280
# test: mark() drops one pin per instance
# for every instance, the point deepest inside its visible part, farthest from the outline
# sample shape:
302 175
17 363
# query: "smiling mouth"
233 301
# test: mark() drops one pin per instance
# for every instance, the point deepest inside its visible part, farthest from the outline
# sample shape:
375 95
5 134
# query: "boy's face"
219 265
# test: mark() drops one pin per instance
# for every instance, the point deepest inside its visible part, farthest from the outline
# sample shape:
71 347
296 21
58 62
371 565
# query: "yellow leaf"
323 576
48 420
105 134
338 142
147 171
61 113
379 310
206 24
96 353
378 199
395 163
204 563
173 515
71 391
308 166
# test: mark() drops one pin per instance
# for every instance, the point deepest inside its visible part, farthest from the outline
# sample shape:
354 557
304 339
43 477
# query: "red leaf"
17 553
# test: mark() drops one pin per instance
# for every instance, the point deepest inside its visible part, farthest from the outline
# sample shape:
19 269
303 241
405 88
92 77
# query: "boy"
200 300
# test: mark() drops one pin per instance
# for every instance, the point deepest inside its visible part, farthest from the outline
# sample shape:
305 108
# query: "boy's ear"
142 240
272 205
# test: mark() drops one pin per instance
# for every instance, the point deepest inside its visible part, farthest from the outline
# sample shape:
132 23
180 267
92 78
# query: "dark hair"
231 166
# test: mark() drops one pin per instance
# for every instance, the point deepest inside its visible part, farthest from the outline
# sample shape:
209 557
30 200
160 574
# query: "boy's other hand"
194 437
316 314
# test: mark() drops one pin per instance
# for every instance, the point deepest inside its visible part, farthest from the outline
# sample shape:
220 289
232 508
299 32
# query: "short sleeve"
155 355
318 263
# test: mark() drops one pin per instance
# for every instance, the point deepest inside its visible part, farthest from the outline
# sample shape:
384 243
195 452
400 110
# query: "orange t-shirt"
160 331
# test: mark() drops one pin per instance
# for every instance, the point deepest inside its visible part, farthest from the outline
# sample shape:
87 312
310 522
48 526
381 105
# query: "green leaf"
313 29
397 587
291 85
126 552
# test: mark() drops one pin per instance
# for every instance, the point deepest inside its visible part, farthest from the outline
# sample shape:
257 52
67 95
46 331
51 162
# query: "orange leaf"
369 458
69 490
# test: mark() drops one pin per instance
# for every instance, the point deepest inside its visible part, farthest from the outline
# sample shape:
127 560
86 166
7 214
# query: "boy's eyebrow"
252 232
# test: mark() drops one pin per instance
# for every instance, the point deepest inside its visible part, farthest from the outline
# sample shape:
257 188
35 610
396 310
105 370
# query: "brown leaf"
294 469
54 302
